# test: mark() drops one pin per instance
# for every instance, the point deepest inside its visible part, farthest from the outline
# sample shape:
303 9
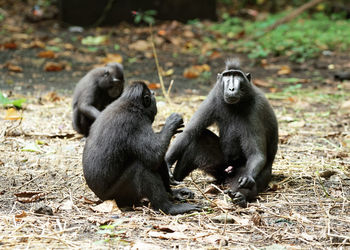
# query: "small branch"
158 68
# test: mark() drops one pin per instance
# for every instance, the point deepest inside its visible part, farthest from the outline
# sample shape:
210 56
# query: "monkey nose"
115 80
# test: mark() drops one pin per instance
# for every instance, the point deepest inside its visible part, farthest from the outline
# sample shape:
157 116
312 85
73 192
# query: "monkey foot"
238 198
183 208
182 194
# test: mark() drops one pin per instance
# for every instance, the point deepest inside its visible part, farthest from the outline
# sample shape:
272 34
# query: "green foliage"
6 102
146 16
300 39
111 232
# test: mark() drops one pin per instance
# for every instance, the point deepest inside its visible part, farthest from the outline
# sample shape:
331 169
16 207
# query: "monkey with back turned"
97 89
243 153
123 158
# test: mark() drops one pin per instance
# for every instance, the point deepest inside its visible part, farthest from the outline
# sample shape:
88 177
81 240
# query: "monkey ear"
249 76
146 101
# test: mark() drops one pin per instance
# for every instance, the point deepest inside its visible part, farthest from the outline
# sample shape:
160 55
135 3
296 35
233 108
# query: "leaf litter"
307 203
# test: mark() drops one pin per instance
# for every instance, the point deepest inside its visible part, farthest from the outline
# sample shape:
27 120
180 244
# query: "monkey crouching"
123 158
97 89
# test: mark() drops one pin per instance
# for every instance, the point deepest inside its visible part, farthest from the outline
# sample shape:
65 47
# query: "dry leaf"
67 205
170 236
284 70
262 83
46 54
12 114
13 68
27 197
140 245
37 44
215 55
195 70
140 45
211 190
222 204
10 45
53 66
21 215
154 86
112 58
169 72
109 206
52 97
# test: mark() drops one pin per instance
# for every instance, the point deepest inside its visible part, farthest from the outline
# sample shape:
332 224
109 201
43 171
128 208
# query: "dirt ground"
45 202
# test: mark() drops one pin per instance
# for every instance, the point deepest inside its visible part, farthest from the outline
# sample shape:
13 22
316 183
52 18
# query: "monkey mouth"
114 92
231 99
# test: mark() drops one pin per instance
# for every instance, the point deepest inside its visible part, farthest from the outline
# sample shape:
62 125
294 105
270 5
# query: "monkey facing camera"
123 158
97 89
242 155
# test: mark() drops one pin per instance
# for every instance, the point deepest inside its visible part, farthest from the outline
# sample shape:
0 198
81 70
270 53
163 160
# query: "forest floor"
45 202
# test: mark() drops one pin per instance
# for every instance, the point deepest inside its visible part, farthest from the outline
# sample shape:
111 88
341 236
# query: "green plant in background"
7 102
146 16
301 39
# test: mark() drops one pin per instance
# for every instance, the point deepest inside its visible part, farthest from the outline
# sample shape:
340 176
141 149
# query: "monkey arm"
203 118
89 110
255 164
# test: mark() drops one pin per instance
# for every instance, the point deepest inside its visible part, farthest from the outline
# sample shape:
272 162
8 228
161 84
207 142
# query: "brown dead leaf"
68 46
153 86
284 70
195 70
37 44
46 54
222 204
13 68
22 214
211 190
12 114
261 83
29 196
112 58
99 221
52 97
140 45
215 55
10 45
53 66
109 206
169 236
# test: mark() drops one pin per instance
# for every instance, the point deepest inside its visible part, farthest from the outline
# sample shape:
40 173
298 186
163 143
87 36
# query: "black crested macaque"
243 153
123 158
97 89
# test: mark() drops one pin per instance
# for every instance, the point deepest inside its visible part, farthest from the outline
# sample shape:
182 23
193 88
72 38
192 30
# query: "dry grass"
307 205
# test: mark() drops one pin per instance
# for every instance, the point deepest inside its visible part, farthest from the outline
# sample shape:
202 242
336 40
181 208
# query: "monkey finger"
178 131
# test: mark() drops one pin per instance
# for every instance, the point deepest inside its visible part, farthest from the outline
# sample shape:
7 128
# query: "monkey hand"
174 122
246 181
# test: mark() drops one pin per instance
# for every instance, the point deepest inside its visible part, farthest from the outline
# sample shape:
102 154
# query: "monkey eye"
146 101
106 73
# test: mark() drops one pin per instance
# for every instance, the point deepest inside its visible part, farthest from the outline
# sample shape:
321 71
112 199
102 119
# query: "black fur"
243 154
123 158
98 88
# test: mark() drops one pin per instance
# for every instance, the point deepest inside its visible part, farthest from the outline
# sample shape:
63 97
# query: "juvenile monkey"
97 89
243 153
123 158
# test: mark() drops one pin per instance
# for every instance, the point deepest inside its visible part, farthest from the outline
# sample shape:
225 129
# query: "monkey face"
149 102
234 83
112 79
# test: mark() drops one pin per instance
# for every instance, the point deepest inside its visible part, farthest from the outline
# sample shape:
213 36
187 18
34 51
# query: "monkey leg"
204 153
138 182
83 124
